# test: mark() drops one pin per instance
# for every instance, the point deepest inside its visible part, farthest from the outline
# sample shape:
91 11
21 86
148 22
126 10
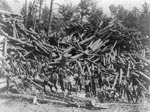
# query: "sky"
104 4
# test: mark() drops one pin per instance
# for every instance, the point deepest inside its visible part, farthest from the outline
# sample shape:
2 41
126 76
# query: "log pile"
110 50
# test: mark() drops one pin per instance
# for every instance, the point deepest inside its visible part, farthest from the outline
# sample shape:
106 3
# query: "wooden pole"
128 69
115 81
5 54
5 47
121 74
79 64
14 29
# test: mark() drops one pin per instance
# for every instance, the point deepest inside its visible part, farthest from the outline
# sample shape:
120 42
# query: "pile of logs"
111 51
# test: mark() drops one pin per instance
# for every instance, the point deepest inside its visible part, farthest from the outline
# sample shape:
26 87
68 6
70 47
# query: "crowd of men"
93 83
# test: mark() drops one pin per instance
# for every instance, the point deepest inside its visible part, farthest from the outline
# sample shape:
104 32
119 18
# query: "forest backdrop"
86 10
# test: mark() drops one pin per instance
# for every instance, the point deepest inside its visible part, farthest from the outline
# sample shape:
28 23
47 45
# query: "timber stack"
114 58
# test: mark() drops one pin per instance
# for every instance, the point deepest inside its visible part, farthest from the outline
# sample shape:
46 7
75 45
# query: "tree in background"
4 6
118 12
145 19
37 17
132 18
50 16
66 12
96 16
135 18
30 14
40 7
86 11
85 7
44 19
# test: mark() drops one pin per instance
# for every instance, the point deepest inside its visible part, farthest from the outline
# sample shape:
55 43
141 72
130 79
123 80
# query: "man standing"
87 85
93 85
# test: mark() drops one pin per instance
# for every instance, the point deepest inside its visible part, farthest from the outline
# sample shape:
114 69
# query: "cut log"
115 81
144 75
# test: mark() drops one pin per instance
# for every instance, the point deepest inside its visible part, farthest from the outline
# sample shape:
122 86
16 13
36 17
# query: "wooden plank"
5 47
128 69
121 74
115 81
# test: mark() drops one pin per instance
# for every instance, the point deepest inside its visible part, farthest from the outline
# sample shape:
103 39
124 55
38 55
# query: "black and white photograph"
74 55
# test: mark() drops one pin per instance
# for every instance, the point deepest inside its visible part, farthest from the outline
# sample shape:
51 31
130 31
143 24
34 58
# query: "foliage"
4 6
119 12
138 19
66 11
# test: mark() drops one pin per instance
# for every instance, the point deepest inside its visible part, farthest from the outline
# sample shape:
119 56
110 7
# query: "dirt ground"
18 104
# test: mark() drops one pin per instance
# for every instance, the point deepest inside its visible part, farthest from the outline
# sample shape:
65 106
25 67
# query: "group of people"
72 81
75 81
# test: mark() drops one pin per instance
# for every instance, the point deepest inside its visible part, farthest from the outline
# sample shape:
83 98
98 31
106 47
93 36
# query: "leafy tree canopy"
4 6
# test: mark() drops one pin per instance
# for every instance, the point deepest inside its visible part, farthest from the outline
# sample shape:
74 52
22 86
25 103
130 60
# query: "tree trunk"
50 16
41 1
26 13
